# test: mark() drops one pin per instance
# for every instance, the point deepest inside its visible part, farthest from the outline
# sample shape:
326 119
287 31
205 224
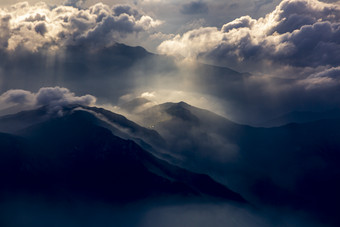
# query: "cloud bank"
194 7
299 33
293 54
53 97
36 26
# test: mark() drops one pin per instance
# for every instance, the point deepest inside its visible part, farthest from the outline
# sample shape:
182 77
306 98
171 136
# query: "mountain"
301 117
88 151
134 104
294 165
116 71
118 124
124 128
73 156
195 136
14 122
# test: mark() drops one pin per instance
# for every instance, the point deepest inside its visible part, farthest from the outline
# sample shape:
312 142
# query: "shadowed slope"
71 156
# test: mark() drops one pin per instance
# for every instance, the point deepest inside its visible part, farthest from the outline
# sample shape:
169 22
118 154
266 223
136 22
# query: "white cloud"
35 26
53 97
148 94
57 96
324 79
17 96
300 33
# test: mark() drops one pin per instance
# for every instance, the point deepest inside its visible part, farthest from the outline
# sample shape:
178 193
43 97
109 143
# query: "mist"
244 93
39 211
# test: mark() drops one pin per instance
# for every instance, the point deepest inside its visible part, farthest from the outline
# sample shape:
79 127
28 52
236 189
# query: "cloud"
286 67
36 26
292 53
297 33
194 7
329 1
17 96
75 3
126 9
53 97
324 79
61 96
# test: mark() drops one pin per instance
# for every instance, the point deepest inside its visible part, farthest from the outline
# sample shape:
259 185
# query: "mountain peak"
184 104
73 154
181 110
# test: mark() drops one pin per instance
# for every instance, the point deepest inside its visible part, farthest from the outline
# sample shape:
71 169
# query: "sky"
286 51
250 61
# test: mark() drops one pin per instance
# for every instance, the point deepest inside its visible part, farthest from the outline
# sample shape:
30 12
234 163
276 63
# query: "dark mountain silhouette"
114 70
73 156
293 165
133 104
18 121
301 117
124 125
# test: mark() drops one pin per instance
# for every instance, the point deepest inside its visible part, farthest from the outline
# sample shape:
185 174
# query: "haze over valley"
169 113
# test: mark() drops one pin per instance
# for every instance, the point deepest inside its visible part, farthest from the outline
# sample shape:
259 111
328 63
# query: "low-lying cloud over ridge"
53 97
35 26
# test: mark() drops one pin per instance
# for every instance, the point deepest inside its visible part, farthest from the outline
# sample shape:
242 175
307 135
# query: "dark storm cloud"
41 28
313 45
296 33
70 47
35 26
329 1
74 3
194 7
288 63
36 17
125 9
294 15
5 31
286 51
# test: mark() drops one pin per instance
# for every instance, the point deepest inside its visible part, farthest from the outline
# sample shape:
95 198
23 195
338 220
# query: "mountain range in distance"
193 113
90 152
75 154
121 69
170 150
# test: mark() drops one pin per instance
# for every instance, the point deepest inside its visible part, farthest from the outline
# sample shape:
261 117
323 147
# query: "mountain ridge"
84 155
294 165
